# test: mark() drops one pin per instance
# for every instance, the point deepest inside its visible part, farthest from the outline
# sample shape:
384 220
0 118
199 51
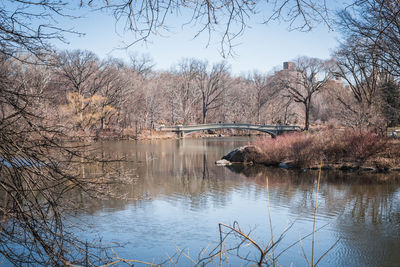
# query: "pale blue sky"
260 48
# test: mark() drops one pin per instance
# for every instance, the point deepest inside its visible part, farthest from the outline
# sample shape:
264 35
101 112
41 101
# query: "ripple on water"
188 202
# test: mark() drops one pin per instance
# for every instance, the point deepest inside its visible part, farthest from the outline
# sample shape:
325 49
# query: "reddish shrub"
274 150
333 146
297 147
360 146
304 150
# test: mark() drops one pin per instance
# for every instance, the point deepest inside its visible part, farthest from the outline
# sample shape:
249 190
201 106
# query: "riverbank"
342 150
130 134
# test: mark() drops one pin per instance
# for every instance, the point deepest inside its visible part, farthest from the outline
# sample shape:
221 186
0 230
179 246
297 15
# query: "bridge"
273 130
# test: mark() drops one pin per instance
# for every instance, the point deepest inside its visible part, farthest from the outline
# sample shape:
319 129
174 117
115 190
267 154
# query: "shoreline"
349 151
154 136
325 167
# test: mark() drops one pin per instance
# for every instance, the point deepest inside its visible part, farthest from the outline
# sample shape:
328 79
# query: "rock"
286 165
367 169
245 154
223 162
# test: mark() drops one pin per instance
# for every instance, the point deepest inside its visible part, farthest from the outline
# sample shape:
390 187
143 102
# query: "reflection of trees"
363 207
183 171
366 196
161 169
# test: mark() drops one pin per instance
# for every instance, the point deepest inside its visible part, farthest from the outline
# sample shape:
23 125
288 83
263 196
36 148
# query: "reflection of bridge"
273 130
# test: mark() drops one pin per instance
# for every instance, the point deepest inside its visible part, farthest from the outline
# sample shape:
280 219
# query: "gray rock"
285 165
245 154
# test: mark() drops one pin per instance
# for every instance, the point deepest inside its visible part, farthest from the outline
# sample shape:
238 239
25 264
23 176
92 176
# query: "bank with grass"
344 149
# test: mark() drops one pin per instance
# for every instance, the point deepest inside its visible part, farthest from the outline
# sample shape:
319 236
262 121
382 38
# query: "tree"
307 79
37 169
230 19
264 91
367 61
114 89
237 101
374 25
82 73
390 96
96 110
184 90
212 85
153 101
31 25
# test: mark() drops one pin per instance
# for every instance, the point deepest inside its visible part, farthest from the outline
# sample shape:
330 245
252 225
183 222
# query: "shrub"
360 146
275 150
333 146
304 150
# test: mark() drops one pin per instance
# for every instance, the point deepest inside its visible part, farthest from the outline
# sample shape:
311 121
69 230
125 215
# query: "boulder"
245 154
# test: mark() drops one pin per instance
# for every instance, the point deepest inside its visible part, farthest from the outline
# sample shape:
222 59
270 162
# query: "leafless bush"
274 149
331 146
360 146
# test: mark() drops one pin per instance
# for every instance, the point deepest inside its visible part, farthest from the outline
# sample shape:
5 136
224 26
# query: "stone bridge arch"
273 130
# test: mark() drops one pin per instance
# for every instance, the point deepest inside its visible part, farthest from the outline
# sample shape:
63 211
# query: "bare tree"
142 64
308 78
368 60
374 26
211 85
37 169
96 84
185 89
238 101
28 26
153 101
230 19
264 91
114 88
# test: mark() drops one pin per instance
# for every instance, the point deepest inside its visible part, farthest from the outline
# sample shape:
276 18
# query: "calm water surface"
176 197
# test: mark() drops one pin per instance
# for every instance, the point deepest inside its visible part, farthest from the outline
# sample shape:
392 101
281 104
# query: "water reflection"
176 195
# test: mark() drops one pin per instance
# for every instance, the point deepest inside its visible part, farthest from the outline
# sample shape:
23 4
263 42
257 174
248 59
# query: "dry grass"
332 147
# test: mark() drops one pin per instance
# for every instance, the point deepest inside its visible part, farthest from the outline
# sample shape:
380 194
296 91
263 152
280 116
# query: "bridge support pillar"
179 134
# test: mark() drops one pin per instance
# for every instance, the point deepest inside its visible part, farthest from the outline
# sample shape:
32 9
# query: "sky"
261 48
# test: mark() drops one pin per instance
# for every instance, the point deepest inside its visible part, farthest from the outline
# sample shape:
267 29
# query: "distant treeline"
87 95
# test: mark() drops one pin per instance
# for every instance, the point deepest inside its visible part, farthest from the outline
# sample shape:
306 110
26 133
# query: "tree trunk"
204 110
307 116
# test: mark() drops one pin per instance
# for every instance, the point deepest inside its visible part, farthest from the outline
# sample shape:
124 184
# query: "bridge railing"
212 126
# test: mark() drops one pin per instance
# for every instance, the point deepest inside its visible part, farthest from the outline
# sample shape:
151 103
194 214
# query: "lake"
175 196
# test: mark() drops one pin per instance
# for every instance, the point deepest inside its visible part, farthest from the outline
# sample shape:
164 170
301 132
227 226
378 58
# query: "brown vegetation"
346 149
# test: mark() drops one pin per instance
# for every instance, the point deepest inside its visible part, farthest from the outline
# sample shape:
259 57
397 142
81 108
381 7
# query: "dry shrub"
360 146
393 150
384 163
275 150
296 147
331 146
253 154
304 150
